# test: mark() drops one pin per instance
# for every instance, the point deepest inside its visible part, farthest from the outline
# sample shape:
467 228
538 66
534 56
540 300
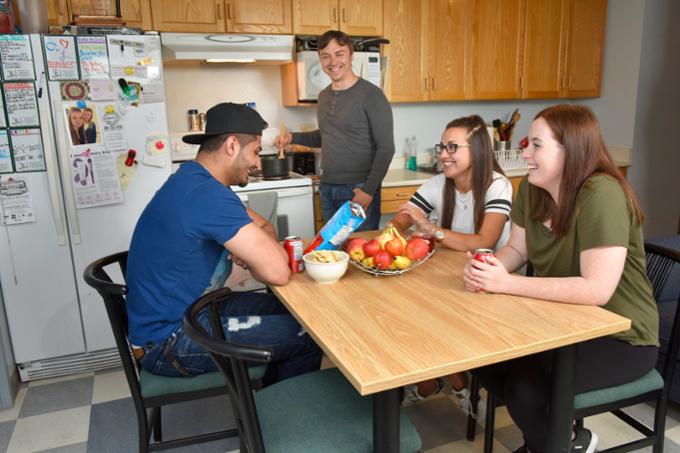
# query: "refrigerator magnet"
125 172
157 146
74 91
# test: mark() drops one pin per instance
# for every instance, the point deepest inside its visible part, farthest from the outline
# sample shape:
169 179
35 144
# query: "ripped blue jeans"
249 318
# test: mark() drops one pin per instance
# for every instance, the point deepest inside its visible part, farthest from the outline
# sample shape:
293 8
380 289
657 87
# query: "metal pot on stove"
273 167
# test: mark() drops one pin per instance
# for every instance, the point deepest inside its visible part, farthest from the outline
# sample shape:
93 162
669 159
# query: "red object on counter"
130 161
293 246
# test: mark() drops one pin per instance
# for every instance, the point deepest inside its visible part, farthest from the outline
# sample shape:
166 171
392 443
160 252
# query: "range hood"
228 47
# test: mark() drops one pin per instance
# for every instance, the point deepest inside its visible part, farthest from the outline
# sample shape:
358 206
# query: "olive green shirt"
601 218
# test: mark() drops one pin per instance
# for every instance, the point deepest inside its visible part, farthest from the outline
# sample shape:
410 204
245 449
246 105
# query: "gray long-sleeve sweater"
355 134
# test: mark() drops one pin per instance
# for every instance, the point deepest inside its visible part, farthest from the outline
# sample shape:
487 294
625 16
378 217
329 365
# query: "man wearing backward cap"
184 245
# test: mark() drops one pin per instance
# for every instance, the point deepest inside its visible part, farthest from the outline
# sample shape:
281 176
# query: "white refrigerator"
85 191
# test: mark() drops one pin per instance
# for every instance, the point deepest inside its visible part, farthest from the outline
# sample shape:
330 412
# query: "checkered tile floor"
94 413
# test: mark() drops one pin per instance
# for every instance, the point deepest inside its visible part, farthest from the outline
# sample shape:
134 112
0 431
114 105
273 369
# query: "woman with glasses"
468 204
578 222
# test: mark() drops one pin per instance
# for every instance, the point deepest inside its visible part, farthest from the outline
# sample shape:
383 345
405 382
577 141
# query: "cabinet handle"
404 195
433 86
229 11
335 15
343 16
426 83
219 11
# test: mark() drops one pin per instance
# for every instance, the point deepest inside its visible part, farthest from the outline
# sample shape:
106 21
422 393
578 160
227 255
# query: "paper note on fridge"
60 56
17 58
16 205
103 90
94 176
27 148
135 57
21 104
5 153
93 57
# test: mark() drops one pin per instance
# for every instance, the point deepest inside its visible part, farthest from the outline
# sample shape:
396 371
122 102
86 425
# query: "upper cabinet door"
361 17
405 27
259 16
544 39
493 71
57 13
201 16
585 47
448 22
315 17
136 13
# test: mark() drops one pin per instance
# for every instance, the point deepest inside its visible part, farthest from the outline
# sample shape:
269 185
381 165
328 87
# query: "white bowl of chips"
326 266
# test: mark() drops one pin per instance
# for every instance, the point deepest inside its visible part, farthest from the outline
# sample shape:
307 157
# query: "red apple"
371 247
417 248
382 260
395 247
355 249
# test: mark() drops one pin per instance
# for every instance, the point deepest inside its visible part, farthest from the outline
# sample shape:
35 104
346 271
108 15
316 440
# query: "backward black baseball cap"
228 118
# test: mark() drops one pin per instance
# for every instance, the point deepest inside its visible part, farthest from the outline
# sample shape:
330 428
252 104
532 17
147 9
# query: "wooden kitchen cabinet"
354 17
198 16
259 16
135 13
393 197
57 13
494 66
585 48
563 47
427 50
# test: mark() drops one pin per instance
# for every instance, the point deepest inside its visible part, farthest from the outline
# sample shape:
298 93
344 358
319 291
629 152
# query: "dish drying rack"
510 159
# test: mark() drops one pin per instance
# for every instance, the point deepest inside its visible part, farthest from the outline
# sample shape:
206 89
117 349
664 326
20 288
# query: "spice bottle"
192 116
201 121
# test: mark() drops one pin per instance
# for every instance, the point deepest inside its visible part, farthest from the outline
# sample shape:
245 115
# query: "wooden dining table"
384 332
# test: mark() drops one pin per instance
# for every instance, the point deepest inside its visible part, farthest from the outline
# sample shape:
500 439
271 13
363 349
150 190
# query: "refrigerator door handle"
53 183
69 199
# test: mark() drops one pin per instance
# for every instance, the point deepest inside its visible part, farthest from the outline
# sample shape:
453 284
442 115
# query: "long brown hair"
483 163
576 128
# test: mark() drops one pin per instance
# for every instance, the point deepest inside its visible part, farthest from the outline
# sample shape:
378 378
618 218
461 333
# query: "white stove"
259 183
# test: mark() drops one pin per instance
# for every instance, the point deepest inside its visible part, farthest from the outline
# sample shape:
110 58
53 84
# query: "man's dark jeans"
332 196
249 318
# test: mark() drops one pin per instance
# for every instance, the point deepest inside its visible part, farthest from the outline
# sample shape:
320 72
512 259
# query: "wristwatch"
439 234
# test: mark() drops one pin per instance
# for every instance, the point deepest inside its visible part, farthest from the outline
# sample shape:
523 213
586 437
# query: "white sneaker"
465 403
411 395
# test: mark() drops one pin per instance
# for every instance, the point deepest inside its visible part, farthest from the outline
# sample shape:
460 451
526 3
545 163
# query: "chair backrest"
230 358
660 261
113 295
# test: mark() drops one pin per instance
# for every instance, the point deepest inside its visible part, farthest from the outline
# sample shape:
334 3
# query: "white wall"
656 157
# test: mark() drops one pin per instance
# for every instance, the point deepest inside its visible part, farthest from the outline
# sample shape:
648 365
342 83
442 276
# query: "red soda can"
482 254
293 246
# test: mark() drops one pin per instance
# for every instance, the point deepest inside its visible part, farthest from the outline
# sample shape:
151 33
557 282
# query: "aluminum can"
293 246
482 254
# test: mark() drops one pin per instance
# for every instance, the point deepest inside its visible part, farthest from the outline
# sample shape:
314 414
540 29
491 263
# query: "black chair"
653 386
149 391
314 412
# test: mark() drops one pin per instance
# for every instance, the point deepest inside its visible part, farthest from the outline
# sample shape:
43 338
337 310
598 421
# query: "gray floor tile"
113 425
59 396
645 413
439 421
6 430
510 437
75 448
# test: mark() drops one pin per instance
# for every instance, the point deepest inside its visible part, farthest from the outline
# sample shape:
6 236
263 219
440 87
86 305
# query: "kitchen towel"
265 204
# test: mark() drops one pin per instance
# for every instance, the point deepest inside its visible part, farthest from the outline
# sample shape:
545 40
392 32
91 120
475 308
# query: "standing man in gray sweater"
355 133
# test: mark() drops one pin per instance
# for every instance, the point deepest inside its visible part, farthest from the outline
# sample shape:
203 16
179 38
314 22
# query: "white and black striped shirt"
498 198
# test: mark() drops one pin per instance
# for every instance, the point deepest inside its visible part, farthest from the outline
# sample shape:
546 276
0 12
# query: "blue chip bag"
336 231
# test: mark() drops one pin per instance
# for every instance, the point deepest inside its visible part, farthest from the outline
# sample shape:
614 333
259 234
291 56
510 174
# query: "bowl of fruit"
389 253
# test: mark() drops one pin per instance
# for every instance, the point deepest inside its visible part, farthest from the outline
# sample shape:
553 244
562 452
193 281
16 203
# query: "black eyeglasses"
450 148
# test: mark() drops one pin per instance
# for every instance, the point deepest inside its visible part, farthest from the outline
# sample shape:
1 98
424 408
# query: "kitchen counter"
398 176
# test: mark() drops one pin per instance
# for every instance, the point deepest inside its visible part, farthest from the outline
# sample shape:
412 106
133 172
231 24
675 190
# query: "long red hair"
576 128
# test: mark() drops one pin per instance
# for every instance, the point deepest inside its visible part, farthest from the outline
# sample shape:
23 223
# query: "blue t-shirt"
177 251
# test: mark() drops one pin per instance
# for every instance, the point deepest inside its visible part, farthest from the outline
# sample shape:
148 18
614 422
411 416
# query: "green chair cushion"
321 412
154 385
647 383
